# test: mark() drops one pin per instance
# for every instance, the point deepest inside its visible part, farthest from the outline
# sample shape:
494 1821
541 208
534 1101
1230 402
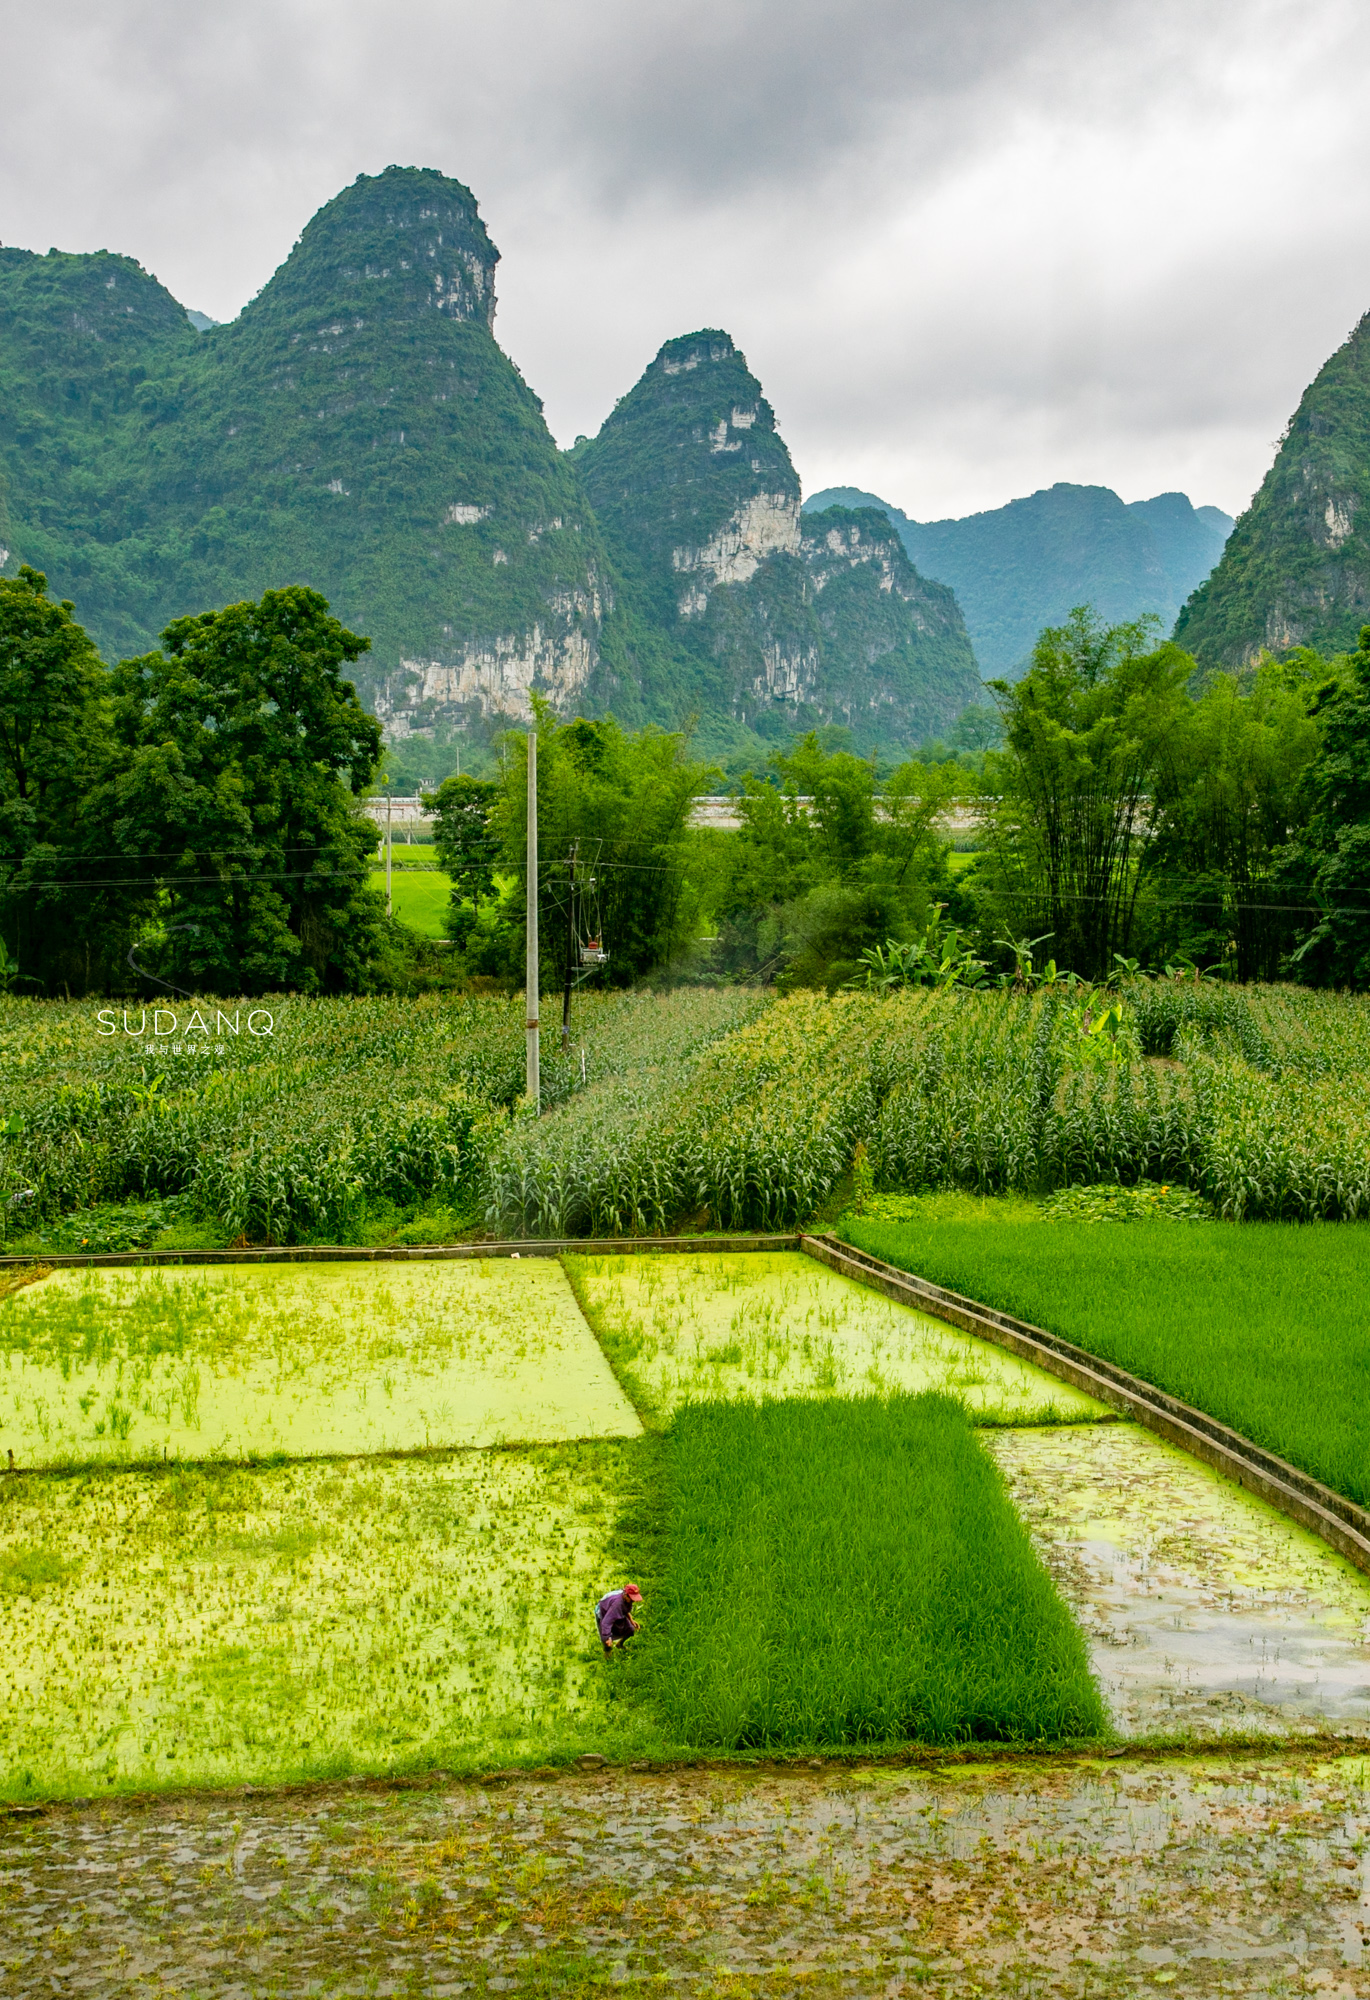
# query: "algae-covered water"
220 1623
1207 1612
777 1323
119 1366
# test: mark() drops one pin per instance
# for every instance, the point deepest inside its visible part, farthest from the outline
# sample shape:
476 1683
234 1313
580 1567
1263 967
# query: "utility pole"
533 1086
389 848
570 944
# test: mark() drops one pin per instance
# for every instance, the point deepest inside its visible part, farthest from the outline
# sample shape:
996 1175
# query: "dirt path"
1213 1876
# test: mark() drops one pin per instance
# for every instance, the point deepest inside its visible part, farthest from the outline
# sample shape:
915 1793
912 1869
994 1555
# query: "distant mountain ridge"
1296 570
1017 568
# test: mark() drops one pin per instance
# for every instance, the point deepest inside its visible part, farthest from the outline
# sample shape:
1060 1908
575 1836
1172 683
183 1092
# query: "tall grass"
1266 1327
852 1572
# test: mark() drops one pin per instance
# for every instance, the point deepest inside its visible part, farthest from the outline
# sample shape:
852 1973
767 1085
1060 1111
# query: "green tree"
1086 730
244 753
465 841
1227 798
55 742
1332 851
829 864
613 810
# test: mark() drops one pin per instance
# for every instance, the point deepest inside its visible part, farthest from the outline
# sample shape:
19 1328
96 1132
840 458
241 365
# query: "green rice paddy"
241 1361
853 1572
207 1625
1265 1326
289 1520
778 1324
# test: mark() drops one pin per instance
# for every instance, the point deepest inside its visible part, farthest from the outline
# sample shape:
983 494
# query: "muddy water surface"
1232 1876
1206 1610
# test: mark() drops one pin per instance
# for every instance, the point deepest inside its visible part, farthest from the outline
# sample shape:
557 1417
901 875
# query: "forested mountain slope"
357 427
1297 568
782 628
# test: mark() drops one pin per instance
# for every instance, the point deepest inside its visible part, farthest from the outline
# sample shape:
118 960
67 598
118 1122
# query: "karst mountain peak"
359 429
402 243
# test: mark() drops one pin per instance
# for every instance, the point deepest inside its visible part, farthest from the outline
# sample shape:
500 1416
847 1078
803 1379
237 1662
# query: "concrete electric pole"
533 1085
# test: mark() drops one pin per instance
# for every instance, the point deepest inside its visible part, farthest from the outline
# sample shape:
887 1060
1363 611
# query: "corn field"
1258 1098
349 1103
710 1108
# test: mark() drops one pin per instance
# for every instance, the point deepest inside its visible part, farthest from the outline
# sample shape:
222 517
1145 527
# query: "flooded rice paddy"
110 1366
205 1626
1241 1876
777 1323
1206 1610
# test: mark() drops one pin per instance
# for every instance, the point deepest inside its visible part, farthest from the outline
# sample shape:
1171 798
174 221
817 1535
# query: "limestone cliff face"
700 504
1296 569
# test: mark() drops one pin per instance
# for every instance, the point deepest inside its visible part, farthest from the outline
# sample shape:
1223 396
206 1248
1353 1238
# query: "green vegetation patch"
1266 1327
298 1359
1107 1202
211 1625
853 1572
777 1323
419 897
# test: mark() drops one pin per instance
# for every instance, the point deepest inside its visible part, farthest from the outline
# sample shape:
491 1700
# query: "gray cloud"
969 248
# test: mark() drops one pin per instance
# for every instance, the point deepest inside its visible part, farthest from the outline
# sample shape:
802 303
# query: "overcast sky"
970 248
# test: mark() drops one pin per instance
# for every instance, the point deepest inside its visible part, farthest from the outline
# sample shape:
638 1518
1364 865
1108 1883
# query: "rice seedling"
1265 1327
852 1572
118 1366
682 1329
211 1625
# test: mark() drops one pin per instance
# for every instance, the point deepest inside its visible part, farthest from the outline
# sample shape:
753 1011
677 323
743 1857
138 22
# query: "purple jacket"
611 1608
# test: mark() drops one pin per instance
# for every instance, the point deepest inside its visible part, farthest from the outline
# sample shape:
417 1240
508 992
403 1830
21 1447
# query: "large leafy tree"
1086 731
244 752
58 910
1331 853
466 844
613 813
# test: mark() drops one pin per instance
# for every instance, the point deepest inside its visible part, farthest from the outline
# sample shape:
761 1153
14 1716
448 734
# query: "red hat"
631 1590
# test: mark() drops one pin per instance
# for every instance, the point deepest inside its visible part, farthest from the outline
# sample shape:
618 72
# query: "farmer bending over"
614 1616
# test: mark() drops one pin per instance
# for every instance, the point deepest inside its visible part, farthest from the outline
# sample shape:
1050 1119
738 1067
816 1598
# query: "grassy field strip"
776 1323
851 1571
1207 1611
419 897
119 1366
219 1624
1264 1327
